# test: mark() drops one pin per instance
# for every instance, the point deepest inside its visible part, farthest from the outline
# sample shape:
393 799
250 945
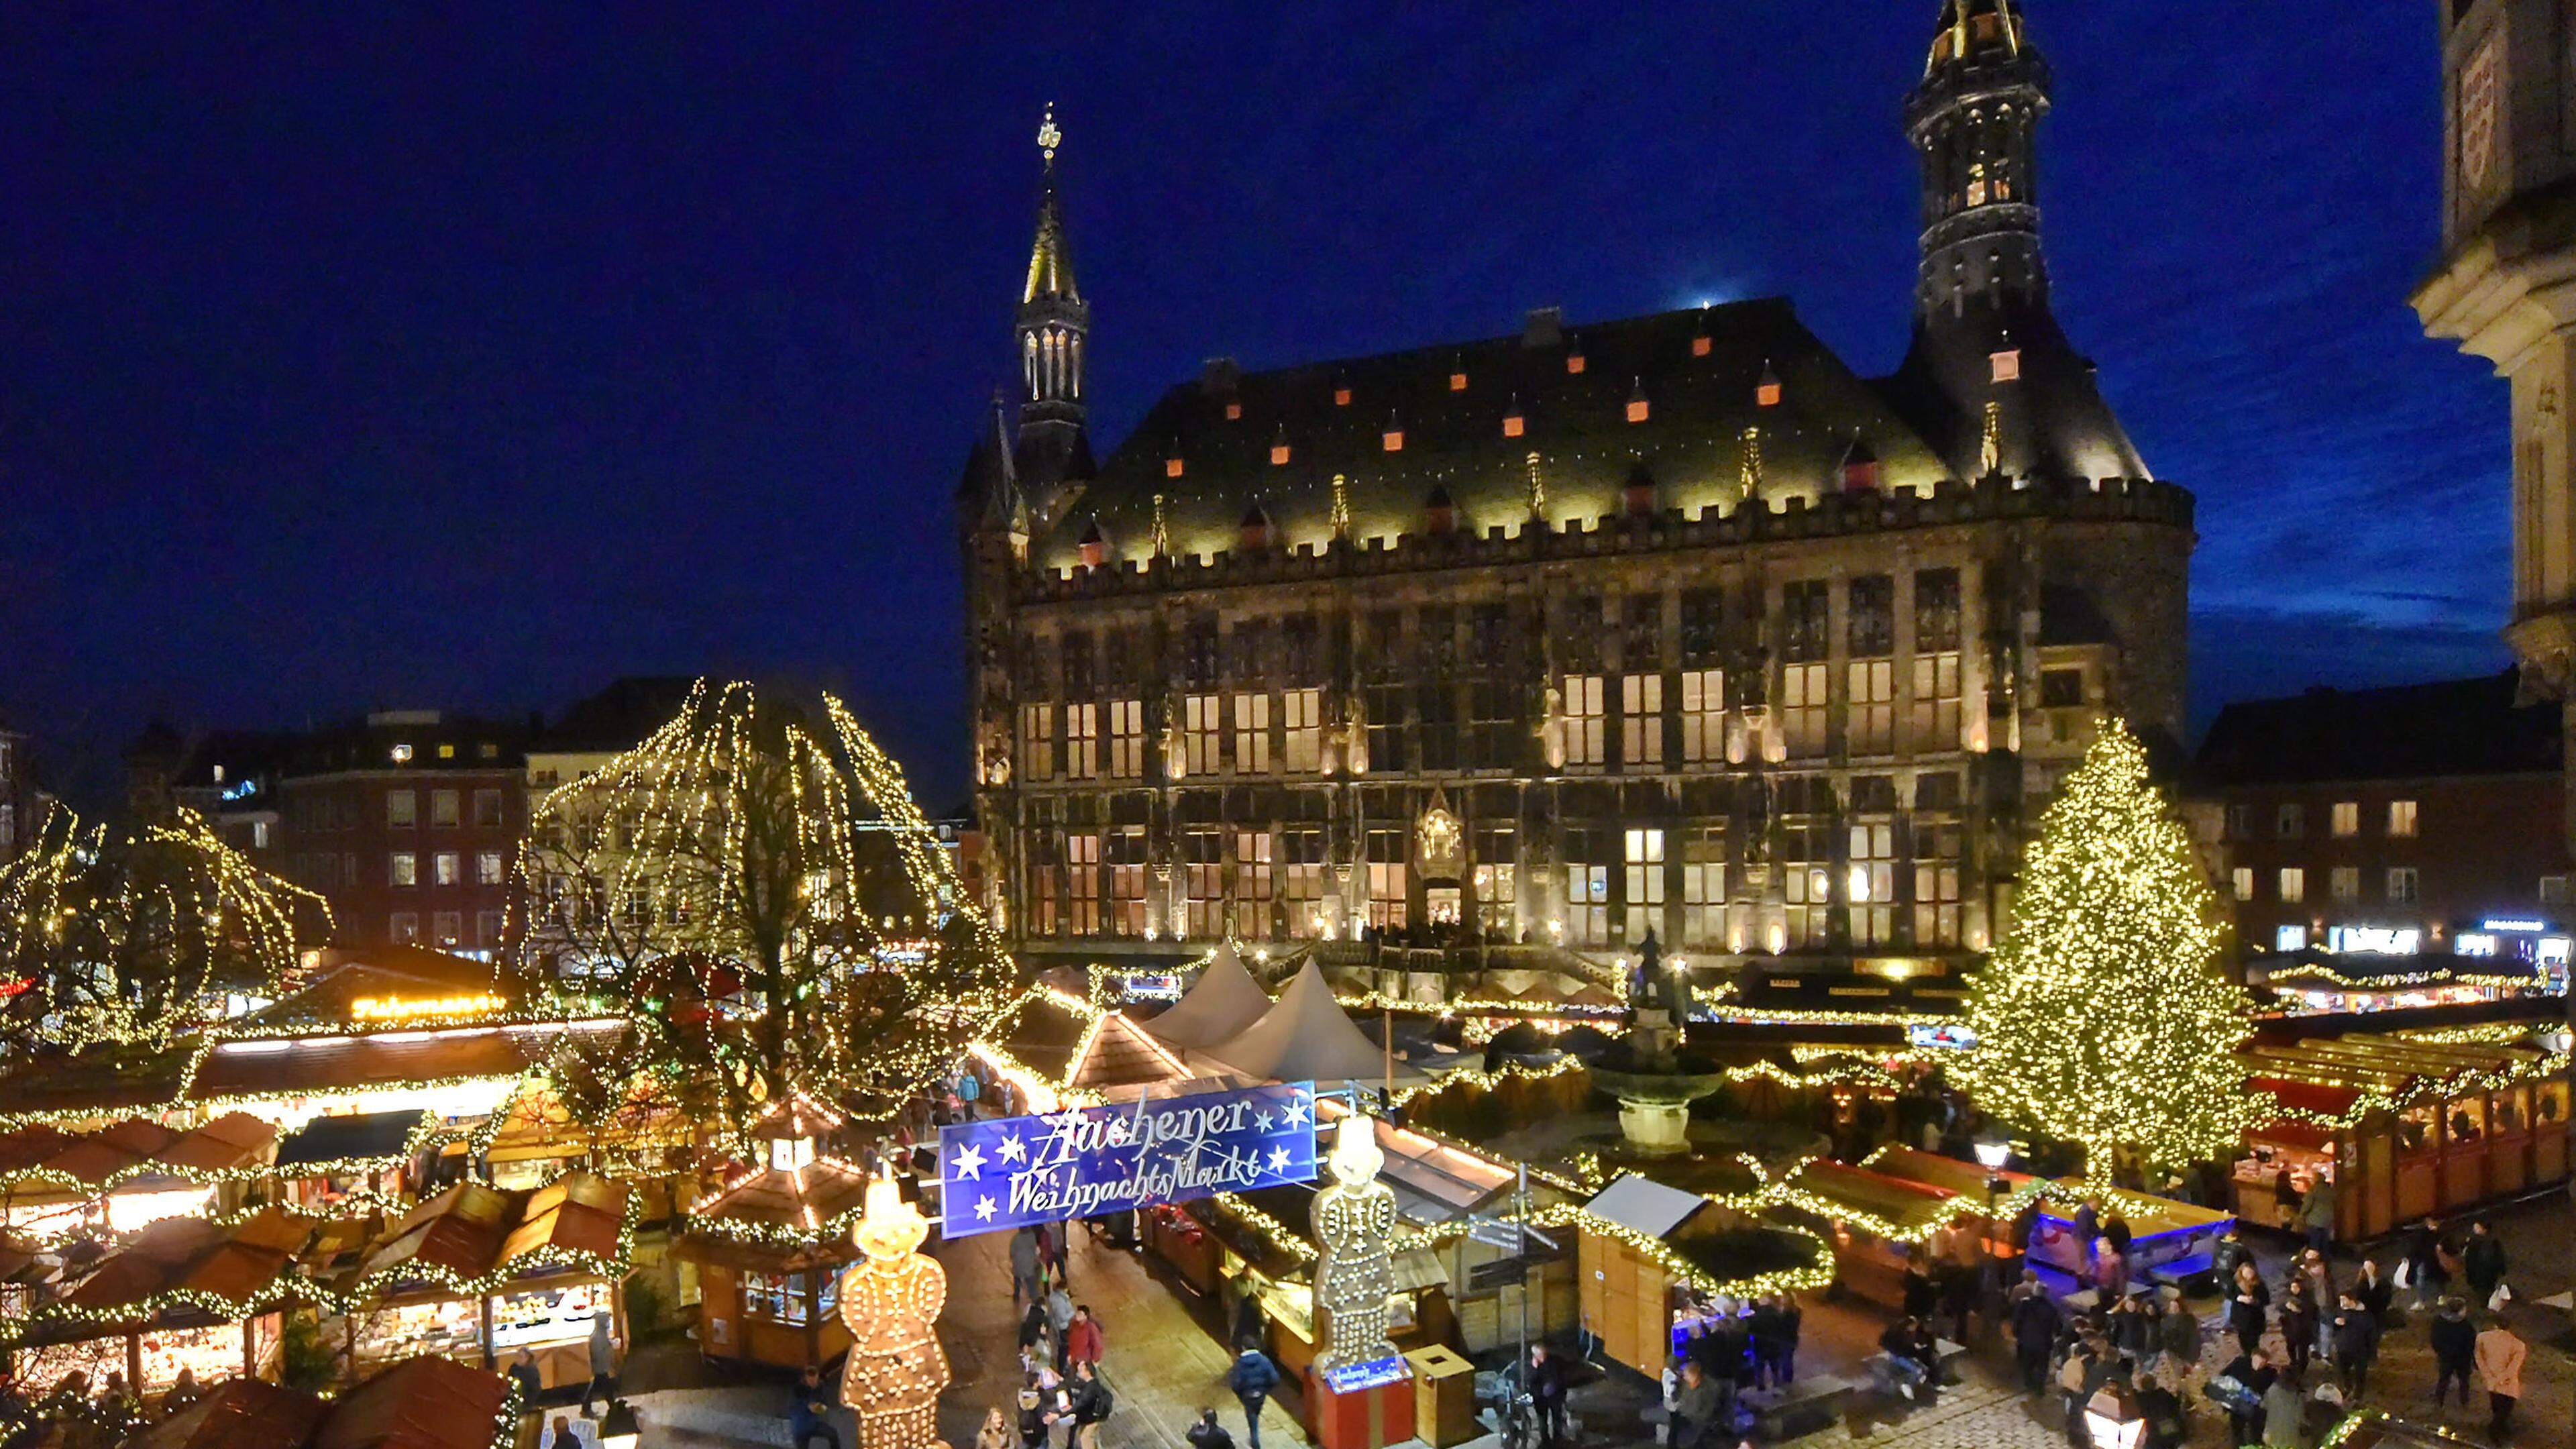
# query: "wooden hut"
770 1244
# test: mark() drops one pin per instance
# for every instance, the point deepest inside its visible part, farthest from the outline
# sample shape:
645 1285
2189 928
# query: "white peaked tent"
1221 1003
1307 1037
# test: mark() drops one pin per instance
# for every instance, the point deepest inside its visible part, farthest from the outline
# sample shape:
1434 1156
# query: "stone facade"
1670 622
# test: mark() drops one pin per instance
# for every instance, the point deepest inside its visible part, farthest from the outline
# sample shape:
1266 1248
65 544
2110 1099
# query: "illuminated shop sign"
2374 940
423 1008
2517 925
1948 1034
1090 1160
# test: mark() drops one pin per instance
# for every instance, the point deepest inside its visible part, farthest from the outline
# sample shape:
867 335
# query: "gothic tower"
1991 379
1054 339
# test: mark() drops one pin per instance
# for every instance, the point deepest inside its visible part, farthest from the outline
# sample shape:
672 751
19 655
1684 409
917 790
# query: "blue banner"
1016 1171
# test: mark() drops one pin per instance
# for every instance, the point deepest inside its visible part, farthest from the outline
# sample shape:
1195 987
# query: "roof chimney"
1220 376
1545 327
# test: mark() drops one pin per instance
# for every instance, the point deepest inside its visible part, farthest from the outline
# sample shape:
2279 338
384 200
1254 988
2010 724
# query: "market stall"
1879 1222
2404 1128
1657 1266
127 1173
419 1403
770 1244
178 1293
379 1154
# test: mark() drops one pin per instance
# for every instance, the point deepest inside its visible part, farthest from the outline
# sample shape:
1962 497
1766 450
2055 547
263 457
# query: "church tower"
1991 379
1054 342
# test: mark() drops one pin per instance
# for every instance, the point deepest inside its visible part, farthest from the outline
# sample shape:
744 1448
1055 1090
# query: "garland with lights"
2319 971
2372 1100
2102 1018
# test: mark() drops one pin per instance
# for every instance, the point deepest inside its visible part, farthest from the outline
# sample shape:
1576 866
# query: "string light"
2102 1018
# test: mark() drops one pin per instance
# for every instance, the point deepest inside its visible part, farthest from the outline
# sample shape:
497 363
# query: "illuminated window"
1252 733
1704 887
1587 904
1341 397
1513 425
402 808
1301 718
447 868
1574 362
2242 879
1497 878
490 868
1457 382
1302 858
2401 817
1872 706
1201 732
1233 409
1937 849
2290 938
1583 719
1279 454
1386 880
406 928
1082 741
1082 884
1703 716
1126 739
1393 439
2402 885
443 807
1807 883
1252 883
1872 887
1641 720
402 756
403 868
1173 467
1037 740
1203 884
2291 822
1637 409
1701 346
2344 883
2345 817
1936 661
447 752
1127 871
1802 709
2294 885
2006 364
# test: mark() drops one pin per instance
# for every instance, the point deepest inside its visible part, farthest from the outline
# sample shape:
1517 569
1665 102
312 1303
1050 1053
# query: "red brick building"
2350 818
408 822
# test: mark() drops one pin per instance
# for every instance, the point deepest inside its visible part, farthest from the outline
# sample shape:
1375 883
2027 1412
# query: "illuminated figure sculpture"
890 1299
1355 1222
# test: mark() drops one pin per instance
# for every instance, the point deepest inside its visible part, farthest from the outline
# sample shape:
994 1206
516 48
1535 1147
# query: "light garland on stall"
2371 1099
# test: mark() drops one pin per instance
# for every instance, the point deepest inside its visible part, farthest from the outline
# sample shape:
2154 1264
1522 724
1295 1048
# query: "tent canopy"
1221 1004
1306 1037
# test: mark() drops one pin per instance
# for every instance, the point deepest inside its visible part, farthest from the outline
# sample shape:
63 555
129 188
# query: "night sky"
359 358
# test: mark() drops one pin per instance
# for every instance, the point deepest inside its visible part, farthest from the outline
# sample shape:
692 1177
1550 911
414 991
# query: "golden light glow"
389 1008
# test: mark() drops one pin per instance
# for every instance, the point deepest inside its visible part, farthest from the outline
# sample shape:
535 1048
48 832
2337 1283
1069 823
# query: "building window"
2240 822
402 808
2242 880
1252 885
2344 883
1703 716
9 829
1081 741
1583 719
2553 890
489 927
488 868
1872 727
1252 734
2401 818
487 809
1641 720
406 926
1807 885
1873 883
1302 855
2290 938
1704 887
2290 823
1937 850
1806 611
1082 884
447 928
2061 688
1203 884
1497 879
2005 365
1386 882
1302 717
1037 740
1645 883
2345 818
1587 904
1127 871
447 868
442 808
1802 710
2402 885
405 868
401 755
2294 885
1126 739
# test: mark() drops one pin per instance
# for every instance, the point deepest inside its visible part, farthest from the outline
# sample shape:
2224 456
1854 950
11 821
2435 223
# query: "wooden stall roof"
1643 1205
483 1235
805 1197
245 1264
1435 1182
1968 1179
420 1403
323 1065
1042 1031
236 1414
2357 1064
2147 1216
101 1082
136 1147
1119 1053
363 1137
1912 1209
326 996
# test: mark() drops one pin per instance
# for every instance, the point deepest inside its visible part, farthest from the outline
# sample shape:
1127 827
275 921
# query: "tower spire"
1054 335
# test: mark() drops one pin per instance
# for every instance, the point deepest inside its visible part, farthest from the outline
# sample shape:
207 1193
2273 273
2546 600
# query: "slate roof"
1691 441
2407 731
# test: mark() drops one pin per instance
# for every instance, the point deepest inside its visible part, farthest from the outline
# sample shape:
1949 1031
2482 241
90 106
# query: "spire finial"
1048 136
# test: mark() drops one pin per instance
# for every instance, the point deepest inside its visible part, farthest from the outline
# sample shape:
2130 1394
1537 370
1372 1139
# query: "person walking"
2034 1319
1082 1341
1695 1409
1546 1388
2229 1254
603 1364
2499 1359
2454 1342
1024 1266
2376 1290
2482 1263
969 1088
811 1417
1207 1433
524 1374
2247 1305
2356 1347
2179 1336
1090 1401
1252 1378
2317 1216
2425 1275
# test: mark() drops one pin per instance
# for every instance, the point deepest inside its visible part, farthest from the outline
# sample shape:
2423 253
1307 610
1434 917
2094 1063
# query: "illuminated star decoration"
970 1161
1014 1150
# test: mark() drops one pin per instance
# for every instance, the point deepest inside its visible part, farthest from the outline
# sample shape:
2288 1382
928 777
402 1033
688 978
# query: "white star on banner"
983 1209
1262 1119
1296 1112
1014 1150
1278 1159
970 1162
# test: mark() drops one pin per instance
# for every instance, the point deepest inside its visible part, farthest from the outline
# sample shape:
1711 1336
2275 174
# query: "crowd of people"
1752 1345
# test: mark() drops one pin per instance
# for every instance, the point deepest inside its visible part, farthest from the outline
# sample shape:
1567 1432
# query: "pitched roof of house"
2407 731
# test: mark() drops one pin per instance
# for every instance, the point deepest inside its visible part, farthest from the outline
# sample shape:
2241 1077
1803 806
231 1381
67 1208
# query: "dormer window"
1254 532
1233 409
1172 466
1457 382
1702 345
402 754
1093 546
2007 364
1439 514
1766 392
1637 406
1341 397
1393 435
1860 468
1279 448
1574 360
1514 424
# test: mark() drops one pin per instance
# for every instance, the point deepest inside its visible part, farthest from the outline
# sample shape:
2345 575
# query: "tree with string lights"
753 890
2103 1017
134 937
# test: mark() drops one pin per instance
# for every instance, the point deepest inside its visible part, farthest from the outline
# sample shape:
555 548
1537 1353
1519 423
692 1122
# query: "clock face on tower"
2480 83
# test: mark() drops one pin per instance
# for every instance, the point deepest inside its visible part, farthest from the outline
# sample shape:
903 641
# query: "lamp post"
2112 1418
618 1428
1992 1154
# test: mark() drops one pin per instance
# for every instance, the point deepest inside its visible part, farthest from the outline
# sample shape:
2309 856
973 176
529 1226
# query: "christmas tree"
2102 1018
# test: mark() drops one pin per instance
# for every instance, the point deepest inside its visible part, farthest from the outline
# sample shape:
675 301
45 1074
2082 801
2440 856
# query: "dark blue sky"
357 359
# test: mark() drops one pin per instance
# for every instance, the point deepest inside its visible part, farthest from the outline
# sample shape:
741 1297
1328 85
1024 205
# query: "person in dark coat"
2356 1346
2455 1349
2376 1290
809 1415
1917 1358
2299 1325
1768 1332
2253 1372
1698 1412
1546 1388
2482 1262
1920 1295
1207 1433
2229 1252
2247 1305
1252 1378
2167 1425
2034 1318
2426 1276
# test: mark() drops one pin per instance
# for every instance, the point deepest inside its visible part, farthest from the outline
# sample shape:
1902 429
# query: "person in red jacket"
1082 1337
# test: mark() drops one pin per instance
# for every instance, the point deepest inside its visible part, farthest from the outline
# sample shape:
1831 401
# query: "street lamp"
618 1428
2112 1418
1992 1154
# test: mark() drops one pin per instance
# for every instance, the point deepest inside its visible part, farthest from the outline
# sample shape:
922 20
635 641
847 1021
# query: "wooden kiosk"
771 1243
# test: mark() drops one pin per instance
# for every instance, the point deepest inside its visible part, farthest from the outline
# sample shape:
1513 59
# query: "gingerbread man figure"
890 1299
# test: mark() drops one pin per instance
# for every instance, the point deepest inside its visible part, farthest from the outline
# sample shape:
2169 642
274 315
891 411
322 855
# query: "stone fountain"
1646 1076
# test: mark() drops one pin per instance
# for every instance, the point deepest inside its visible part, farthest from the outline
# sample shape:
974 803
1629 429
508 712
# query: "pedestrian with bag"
2500 1357
2356 1347
2422 1273
603 1364
1090 1401
2482 1263
2167 1425
1252 1378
